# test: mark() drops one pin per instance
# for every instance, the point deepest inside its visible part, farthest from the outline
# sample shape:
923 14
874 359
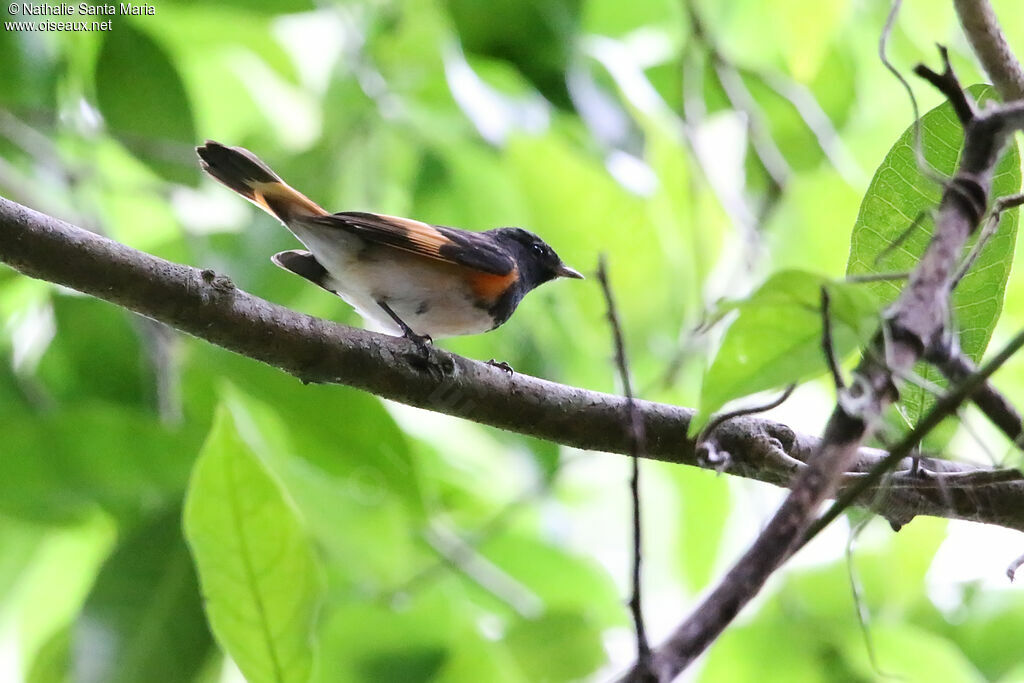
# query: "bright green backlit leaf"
776 338
897 195
260 577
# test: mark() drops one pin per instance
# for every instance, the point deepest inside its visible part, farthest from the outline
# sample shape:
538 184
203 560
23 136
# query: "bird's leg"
420 340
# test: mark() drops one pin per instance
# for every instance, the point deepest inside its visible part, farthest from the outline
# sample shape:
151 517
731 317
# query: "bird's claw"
501 365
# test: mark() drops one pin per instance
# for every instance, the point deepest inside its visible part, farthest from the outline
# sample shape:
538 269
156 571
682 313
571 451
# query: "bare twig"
948 84
643 648
740 98
465 559
883 44
991 225
826 340
876 277
957 368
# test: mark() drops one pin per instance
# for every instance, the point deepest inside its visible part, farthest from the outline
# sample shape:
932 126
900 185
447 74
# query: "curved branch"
211 308
986 36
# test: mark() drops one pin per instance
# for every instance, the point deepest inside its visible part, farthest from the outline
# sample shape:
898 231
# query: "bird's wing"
470 249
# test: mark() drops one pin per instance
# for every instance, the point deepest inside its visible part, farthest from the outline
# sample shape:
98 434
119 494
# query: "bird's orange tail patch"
242 171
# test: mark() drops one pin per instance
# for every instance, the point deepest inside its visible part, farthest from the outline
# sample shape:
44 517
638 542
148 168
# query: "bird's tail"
240 170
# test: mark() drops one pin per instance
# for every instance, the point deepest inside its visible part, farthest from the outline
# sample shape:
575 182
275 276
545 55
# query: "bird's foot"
501 365
422 342
422 359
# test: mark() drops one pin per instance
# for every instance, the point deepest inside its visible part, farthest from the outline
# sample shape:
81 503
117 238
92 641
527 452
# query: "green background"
337 537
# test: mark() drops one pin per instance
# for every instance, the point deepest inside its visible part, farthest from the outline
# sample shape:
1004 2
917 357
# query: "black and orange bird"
410 278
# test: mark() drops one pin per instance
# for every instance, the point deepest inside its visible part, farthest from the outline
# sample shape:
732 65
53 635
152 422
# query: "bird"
406 277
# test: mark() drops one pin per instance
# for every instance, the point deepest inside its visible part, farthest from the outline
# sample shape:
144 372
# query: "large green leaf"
143 620
897 195
776 338
351 513
260 577
346 433
143 100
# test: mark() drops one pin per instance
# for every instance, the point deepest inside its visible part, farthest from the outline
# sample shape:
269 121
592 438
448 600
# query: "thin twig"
718 420
826 340
636 428
949 85
957 367
883 44
1011 571
991 225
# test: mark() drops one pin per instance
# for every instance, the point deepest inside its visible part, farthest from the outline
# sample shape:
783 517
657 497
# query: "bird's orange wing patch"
477 251
425 238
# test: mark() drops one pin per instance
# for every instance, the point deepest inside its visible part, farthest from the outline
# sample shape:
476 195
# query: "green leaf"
349 513
143 100
364 443
260 578
754 652
898 193
143 620
537 36
776 338
557 646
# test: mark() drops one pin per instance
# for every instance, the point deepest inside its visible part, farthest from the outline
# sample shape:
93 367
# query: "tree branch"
986 36
314 350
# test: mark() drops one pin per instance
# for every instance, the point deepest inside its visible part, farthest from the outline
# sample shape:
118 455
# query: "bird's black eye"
537 249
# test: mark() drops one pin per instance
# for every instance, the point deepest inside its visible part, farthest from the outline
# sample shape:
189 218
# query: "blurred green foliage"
394 545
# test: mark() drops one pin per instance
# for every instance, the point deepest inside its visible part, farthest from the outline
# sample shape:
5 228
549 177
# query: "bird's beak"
565 271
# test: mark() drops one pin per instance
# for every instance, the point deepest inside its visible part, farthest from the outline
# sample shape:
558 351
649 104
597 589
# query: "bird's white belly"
414 287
